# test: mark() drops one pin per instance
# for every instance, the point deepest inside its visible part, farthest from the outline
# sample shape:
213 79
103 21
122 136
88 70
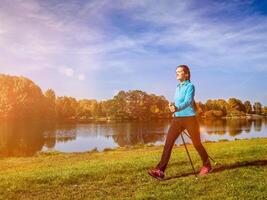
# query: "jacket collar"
183 83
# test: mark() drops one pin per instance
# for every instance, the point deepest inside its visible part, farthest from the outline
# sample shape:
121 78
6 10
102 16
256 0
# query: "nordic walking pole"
215 163
189 157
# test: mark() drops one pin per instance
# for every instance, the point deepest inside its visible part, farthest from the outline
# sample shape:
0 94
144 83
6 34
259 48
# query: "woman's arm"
189 97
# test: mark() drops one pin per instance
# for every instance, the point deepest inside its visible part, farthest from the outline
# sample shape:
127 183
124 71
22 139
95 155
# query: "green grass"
122 174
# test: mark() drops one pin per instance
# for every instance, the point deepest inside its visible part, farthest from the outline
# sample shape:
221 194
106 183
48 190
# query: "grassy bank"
121 174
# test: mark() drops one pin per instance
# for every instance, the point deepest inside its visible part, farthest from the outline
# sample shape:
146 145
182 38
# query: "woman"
184 118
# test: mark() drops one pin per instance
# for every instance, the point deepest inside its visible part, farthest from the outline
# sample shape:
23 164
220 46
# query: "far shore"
119 120
107 120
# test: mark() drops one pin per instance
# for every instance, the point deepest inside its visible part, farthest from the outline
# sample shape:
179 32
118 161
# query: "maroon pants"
178 125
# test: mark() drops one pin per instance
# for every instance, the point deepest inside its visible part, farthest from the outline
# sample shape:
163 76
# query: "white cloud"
81 77
67 72
34 36
48 34
199 40
144 40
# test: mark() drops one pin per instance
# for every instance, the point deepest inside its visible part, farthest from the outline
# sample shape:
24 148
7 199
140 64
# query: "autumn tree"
158 106
257 108
264 110
109 107
50 102
235 104
200 108
20 98
215 108
66 107
97 109
248 107
85 108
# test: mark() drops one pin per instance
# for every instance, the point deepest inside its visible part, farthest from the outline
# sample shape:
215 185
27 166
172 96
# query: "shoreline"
128 148
107 120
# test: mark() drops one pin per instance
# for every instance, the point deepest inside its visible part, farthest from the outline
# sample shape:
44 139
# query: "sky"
93 49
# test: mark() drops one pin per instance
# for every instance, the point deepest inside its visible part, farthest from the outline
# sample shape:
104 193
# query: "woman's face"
180 74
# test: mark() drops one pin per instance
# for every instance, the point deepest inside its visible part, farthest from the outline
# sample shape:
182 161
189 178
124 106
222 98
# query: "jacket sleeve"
189 97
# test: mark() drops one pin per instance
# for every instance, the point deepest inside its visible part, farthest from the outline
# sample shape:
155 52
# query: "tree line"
231 108
21 98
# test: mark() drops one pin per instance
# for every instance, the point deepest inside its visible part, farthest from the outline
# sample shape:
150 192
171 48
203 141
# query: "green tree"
138 104
121 105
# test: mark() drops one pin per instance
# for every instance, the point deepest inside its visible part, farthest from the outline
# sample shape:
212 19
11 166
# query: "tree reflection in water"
27 138
129 134
20 138
233 127
258 125
214 126
59 133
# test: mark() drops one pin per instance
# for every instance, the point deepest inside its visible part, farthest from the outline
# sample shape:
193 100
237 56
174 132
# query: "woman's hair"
186 70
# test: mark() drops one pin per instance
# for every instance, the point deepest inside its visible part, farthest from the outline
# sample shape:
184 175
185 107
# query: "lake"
25 139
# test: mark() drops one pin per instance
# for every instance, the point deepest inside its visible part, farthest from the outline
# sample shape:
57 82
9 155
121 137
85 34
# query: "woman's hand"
172 107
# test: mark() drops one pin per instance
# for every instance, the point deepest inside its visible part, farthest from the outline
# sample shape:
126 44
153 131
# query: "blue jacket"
184 99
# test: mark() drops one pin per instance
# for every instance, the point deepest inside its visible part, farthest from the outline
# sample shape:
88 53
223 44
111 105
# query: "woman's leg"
173 132
192 126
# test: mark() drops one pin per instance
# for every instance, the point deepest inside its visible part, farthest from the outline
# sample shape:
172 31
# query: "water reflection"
216 126
233 127
258 125
59 133
25 139
19 139
144 133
